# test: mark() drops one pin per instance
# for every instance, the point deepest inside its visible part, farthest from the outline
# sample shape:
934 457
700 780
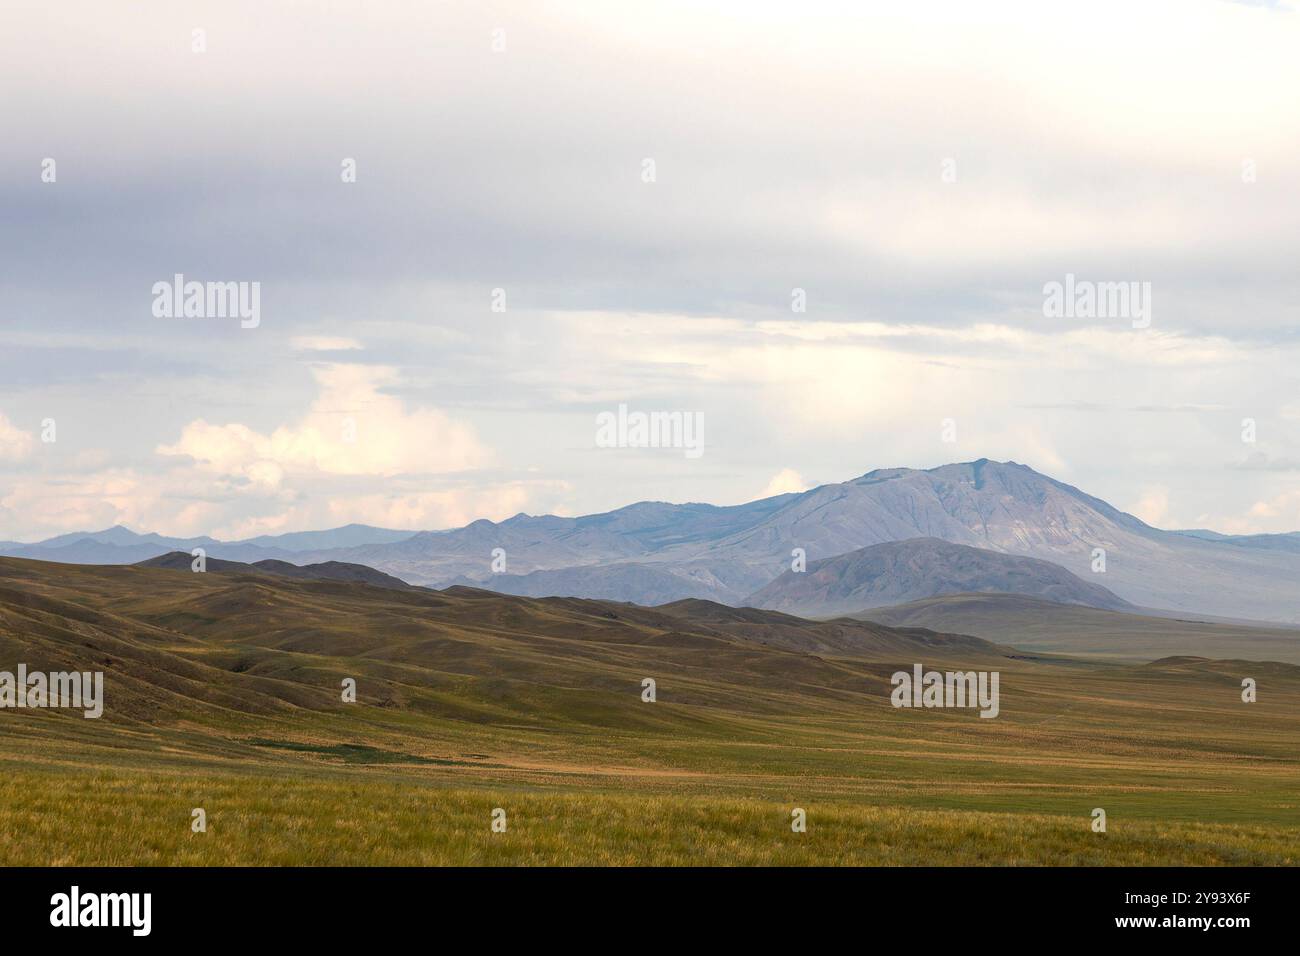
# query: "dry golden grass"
120 819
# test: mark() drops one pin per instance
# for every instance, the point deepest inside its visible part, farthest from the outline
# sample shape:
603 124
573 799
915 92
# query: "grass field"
223 694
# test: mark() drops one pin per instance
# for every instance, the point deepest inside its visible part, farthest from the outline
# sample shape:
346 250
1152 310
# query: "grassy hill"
323 571
223 692
895 572
1044 626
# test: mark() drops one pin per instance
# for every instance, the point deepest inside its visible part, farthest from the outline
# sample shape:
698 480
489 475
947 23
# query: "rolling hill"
901 571
176 642
324 571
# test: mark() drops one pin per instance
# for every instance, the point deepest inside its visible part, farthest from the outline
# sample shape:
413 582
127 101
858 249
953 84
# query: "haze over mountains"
119 545
654 552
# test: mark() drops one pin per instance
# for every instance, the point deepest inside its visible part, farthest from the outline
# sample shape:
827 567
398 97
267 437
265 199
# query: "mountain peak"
118 534
975 467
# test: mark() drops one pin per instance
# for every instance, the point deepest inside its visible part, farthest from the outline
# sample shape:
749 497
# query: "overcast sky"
921 171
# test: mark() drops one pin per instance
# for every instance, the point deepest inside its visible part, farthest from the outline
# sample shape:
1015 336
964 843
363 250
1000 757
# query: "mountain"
348 536
649 532
650 583
117 535
1205 533
1287 541
661 551
998 506
120 545
89 551
900 571
1038 625
115 545
326 571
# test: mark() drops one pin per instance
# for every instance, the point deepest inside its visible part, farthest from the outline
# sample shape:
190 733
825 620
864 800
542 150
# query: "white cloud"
352 428
15 444
923 296
784 481
1285 506
402 508
84 503
1153 506
167 504
1275 514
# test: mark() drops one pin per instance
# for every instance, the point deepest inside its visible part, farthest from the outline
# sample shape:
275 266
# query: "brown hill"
323 571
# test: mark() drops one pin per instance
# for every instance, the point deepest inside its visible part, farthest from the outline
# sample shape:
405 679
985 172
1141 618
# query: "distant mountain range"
653 552
119 545
901 571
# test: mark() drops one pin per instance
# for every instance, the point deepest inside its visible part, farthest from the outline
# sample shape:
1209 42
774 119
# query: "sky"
823 230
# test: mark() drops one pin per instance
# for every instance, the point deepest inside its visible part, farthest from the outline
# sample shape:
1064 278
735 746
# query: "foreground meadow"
117 818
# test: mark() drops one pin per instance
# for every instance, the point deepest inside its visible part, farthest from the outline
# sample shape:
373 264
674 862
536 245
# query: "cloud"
15 444
85 503
785 193
1259 461
353 428
323 343
1275 514
404 508
1153 506
784 481
924 296
169 504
